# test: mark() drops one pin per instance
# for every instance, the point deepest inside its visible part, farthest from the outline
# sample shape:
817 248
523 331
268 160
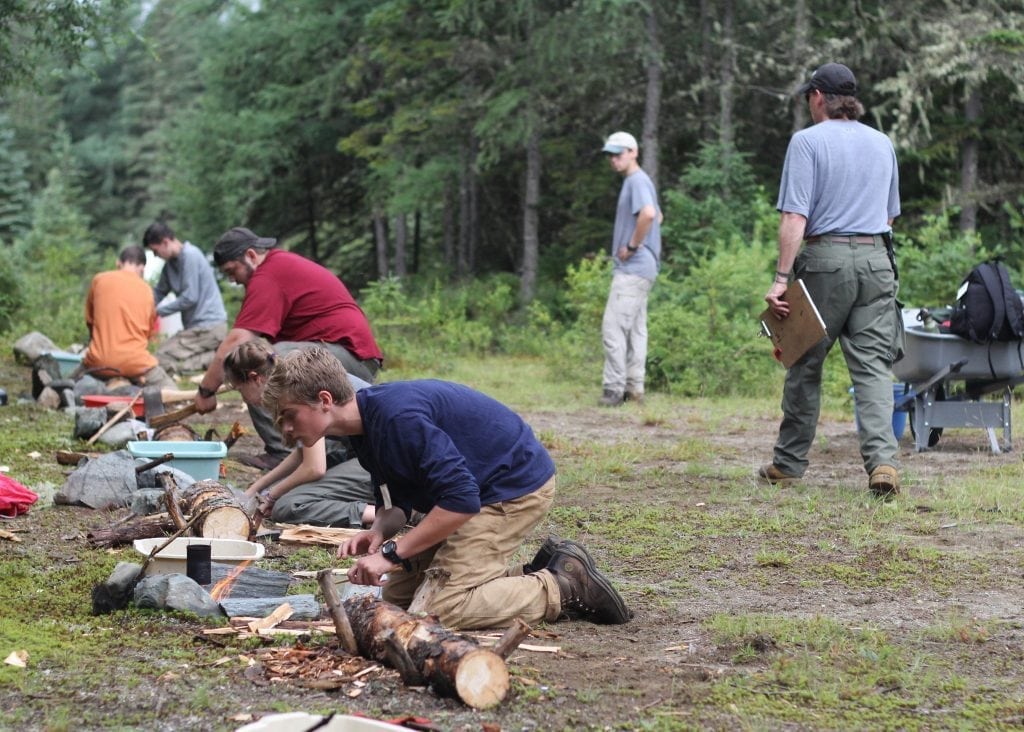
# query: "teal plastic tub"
67 361
201 460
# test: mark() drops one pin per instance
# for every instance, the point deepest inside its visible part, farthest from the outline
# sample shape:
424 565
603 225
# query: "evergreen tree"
15 197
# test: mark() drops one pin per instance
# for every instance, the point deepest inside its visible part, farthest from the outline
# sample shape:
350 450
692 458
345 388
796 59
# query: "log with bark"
119 534
452 664
221 513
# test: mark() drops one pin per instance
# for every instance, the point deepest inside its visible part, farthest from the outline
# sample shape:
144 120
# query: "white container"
171 559
292 721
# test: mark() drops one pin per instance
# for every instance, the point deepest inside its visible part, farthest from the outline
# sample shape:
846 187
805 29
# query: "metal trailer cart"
934 360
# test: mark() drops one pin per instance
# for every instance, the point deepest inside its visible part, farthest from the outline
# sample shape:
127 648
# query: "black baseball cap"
233 243
832 79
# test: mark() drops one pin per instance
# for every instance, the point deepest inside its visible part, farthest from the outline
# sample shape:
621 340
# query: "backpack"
988 307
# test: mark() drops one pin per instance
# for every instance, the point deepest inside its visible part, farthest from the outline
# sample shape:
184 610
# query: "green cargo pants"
855 291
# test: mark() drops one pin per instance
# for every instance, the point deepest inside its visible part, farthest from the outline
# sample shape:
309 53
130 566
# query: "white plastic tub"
171 560
293 721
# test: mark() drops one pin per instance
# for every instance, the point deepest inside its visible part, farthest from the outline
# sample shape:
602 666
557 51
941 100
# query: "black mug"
197 563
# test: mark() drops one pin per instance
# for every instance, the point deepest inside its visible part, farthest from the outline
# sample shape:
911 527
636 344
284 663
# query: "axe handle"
169 396
162 420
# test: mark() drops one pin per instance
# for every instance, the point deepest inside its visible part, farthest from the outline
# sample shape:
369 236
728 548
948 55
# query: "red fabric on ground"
15 498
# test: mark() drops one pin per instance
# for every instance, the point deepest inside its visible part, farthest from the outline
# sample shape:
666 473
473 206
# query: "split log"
221 514
304 607
452 664
119 534
306 534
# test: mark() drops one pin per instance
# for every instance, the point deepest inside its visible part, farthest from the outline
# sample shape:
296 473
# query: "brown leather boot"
543 557
585 593
884 481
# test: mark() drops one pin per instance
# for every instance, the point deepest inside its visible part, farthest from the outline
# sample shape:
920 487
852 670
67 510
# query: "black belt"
855 239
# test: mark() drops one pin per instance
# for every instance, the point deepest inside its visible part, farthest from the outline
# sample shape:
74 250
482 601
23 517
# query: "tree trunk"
801 43
726 80
452 664
652 99
401 235
707 69
416 240
448 227
969 163
380 237
531 202
465 216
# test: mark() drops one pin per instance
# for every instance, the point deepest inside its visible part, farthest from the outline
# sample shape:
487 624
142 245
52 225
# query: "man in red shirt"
292 302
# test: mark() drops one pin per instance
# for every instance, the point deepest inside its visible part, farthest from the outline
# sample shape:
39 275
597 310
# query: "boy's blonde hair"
301 375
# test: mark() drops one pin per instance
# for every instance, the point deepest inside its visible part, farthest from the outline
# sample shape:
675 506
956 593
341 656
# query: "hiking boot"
633 396
773 475
884 481
543 556
585 593
611 399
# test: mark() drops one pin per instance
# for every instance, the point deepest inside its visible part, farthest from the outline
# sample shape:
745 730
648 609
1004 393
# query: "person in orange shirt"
121 316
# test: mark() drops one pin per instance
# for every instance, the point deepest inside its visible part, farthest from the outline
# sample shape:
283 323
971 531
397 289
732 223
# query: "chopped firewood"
453 664
17 658
317 667
306 534
281 612
4 534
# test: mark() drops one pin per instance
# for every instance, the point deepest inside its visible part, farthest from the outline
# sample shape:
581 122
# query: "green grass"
888 627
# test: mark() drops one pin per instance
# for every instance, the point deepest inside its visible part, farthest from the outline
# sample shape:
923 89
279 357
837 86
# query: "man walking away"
839 195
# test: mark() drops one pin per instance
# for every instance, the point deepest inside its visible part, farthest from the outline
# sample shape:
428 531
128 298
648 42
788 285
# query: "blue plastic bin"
201 460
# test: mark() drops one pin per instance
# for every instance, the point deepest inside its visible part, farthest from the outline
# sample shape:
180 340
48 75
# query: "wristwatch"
206 393
631 248
389 550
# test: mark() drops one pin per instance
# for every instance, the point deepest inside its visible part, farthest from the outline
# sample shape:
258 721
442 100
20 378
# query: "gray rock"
88 421
119 434
148 501
49 398
175 592
87 385
116 591
31 346
106 482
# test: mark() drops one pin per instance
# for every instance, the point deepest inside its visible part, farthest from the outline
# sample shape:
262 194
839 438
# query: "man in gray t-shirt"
839 196
636 255
188 275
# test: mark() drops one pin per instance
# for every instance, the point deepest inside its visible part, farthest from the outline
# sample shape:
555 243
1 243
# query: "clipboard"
794 335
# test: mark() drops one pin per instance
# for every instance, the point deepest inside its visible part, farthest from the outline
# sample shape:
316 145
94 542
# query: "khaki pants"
191 351
482 591
624 333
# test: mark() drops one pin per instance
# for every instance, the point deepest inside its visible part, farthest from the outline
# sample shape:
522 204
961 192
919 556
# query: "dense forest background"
442 155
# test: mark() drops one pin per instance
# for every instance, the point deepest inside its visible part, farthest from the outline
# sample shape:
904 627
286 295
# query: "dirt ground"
657 671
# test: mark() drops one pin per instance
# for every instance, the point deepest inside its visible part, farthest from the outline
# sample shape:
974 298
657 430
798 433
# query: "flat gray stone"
175 592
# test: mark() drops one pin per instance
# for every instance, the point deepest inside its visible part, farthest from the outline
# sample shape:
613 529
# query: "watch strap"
206 393
389 550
